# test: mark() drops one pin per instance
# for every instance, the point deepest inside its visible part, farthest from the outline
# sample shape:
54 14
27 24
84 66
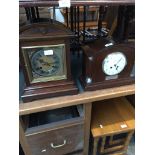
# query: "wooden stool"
112 126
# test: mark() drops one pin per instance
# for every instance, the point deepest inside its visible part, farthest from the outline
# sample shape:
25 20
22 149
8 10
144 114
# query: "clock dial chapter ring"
45 65
114 63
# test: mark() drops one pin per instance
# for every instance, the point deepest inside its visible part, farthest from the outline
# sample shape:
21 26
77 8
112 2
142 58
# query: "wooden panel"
86 97
87 110
23 140
56 142
115 116
54 126
28 3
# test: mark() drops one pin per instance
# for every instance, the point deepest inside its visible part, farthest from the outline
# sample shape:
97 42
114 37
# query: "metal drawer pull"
52 145
43 150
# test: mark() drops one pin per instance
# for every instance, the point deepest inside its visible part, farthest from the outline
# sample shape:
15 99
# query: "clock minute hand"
116 66
118 61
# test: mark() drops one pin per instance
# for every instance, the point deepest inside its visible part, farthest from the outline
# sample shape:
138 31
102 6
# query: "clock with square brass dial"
45 59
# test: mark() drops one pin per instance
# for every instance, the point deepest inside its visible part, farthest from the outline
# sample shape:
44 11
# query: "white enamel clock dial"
114 63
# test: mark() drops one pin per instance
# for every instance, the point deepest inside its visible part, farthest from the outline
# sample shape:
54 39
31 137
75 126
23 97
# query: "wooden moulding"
60 90
86 97
30 3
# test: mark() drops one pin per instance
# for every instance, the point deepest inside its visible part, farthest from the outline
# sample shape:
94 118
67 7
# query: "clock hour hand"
45 63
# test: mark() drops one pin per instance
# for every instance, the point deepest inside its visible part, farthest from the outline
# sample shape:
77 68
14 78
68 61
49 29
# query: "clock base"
60 89
106 84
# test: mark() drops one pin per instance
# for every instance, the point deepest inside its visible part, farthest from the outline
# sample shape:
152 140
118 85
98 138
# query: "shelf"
41 3
85 97
115 115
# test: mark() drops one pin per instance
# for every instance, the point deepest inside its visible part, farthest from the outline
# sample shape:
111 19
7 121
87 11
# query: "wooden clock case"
46 33
93 77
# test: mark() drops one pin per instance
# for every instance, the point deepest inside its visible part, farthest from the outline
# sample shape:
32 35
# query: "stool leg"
127 141
111 140
102 144
95 146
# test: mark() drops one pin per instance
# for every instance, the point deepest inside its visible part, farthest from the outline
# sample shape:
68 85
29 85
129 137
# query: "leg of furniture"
103 143
22 139
87 111
111 140
127 141
96 140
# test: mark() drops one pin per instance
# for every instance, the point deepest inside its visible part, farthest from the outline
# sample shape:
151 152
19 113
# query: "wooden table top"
85 97
41 3
112 116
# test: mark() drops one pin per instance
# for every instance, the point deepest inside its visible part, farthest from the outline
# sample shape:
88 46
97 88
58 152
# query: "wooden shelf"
41 3
85 97
112 114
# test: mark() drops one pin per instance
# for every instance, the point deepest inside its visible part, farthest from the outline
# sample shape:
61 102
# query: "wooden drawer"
56 142
55 132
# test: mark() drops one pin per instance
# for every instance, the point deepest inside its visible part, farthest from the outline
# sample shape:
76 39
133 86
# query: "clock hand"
118 61
46 63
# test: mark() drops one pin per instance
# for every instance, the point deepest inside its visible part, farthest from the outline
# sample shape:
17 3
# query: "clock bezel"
43 79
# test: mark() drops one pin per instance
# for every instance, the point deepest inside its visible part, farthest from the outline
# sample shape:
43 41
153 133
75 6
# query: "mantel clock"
45 59
106 64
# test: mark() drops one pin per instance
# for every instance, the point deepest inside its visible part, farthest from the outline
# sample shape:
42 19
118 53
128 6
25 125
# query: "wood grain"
112 115
86 97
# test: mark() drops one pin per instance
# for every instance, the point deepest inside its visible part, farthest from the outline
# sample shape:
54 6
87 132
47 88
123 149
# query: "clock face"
45 62
114 63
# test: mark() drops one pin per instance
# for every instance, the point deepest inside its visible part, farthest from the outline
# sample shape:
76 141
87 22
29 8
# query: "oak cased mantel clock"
106 64
45 59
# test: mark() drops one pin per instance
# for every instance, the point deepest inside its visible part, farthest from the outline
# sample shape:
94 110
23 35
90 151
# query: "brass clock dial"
45 65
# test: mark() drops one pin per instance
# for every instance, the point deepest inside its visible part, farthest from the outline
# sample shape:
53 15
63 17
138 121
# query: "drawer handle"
56 146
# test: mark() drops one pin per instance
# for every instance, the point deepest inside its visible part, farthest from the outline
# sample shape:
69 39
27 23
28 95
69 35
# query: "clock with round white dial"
114 63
